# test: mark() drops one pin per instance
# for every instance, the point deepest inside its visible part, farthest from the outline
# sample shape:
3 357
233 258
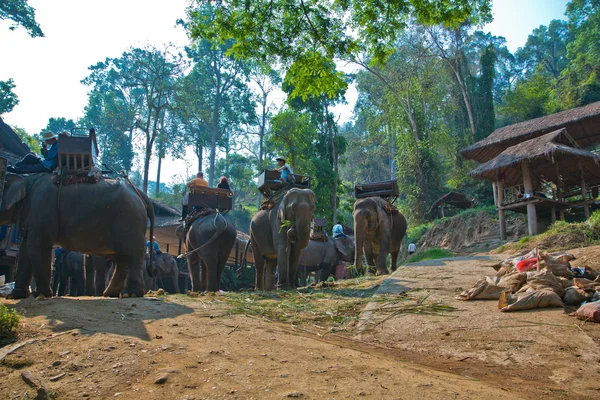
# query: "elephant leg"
283 262
325 272
64 282
193 262
117 282
394 260
210 272
382 262
55 278
80 282
295 252
370 258
23 274
302 275
203 274
270 268
99 278
89 275
175 277
259 264
40 256
134 284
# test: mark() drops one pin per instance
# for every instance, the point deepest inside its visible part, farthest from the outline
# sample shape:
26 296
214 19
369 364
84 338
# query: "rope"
214 236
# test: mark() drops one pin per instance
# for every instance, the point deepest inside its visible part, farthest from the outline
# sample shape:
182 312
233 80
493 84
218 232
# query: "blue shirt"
156 246
285 172
51 159
338 230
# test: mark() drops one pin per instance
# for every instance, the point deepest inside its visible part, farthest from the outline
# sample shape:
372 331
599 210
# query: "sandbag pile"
540 280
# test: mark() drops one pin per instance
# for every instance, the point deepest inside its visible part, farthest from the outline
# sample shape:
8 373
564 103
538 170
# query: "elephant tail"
243 264
150 214
220 229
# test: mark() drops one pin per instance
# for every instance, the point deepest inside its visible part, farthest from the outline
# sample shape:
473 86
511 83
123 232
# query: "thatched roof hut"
11 146
452 199
557 147
583 124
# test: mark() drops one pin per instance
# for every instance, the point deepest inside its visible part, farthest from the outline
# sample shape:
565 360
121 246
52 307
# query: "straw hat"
280 159
48 135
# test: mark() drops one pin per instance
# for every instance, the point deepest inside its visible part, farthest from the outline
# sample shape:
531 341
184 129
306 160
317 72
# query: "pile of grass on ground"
331 305
9 320
429 254
560 236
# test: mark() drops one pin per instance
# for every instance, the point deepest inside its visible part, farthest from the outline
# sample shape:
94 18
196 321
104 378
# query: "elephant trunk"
301 232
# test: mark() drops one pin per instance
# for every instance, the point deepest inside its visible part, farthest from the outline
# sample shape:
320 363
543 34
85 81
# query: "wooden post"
553 214
500 198
531 211
495 191
586 207
179 249
558 191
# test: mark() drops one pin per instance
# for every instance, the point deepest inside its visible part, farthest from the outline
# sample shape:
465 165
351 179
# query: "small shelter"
542 167
450 201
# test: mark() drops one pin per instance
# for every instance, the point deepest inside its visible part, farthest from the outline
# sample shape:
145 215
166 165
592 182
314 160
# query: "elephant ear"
345 245
15 190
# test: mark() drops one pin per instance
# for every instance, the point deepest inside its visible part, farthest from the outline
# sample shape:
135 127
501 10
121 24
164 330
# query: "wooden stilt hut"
541 167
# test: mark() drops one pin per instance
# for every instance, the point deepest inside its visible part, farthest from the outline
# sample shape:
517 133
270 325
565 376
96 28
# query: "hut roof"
557 147
454 199
11 146
583 124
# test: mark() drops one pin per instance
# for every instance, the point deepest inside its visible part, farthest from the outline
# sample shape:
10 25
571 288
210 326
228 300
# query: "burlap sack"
589 312
554 265
536 299
543 279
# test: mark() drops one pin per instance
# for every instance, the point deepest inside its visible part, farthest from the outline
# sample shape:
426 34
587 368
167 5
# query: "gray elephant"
277 237
96 268
324 256
105 218
209 241
378 232
69 273
164 267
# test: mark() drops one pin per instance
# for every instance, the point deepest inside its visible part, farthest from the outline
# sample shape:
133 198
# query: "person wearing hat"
32 163
287 175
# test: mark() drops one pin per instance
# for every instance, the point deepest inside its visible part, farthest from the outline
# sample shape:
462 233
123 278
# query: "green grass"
429 254
9 320
524 239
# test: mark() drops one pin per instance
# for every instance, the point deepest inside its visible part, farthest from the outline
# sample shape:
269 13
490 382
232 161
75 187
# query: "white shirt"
412 247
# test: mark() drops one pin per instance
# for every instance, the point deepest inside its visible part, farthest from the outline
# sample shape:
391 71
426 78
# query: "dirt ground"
177 347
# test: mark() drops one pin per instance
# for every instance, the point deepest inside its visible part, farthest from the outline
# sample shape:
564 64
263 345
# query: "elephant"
209 241
377 234
69 273
96 268
325 256
106 218
277 237
164 267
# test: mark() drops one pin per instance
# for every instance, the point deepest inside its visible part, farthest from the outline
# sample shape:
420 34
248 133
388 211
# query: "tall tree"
8 99
22 14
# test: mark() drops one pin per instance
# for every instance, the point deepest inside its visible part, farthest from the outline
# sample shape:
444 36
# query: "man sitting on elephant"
32 163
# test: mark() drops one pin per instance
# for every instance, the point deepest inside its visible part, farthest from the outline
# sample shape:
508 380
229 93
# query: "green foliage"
524 239
429 254
8 99
312 74
31 141
22 14
59 125
9 321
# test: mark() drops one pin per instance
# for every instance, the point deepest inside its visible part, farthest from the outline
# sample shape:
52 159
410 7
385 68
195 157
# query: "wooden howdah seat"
319 229
387 190
218 199
270 182
77 153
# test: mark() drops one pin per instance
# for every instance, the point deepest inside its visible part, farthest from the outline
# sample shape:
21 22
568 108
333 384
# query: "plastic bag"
574 296
536 299
6 289
589 312
529 264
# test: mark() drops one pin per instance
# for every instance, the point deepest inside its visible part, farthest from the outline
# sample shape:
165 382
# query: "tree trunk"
157 189
213 140
199 150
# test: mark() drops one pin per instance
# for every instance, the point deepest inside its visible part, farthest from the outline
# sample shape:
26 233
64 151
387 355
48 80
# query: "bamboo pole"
531 211
500 198
586 207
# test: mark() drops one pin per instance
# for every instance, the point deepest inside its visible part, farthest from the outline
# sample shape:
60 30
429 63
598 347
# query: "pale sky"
79 33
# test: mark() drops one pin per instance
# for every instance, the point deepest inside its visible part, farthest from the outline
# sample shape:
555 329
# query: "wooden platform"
384 189
219 199
269 181
77 152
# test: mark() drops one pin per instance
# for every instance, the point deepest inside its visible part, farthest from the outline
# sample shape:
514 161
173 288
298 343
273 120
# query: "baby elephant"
325 256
